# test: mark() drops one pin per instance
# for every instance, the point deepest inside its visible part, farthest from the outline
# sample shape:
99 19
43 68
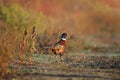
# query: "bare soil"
75 66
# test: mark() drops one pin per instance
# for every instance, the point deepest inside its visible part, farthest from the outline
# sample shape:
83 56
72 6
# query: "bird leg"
61 58
56 58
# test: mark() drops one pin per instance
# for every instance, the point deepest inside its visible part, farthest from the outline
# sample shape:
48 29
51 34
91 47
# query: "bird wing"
58 49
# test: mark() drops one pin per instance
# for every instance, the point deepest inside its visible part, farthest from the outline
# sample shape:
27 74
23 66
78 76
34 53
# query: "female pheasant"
59 47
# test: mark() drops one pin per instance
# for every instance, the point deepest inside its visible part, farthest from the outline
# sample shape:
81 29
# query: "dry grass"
9 48
13 47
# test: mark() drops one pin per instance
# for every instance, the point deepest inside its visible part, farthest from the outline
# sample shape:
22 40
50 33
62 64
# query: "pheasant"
59 47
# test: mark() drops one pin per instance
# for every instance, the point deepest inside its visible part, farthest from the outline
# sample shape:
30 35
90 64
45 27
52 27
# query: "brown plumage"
59 47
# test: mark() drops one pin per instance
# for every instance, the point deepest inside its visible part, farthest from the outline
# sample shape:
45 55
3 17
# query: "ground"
75 66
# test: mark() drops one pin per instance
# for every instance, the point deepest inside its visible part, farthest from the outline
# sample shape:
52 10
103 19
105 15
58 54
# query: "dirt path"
72 68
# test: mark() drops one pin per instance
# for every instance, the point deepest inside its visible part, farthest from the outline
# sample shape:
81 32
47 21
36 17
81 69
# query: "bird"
59 47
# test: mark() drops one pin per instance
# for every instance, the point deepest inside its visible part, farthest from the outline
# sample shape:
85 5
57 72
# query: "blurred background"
76 16
87 22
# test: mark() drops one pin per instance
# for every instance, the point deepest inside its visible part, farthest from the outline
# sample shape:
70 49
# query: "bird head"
63 36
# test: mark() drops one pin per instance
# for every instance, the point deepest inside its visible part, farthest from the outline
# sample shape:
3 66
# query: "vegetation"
13 21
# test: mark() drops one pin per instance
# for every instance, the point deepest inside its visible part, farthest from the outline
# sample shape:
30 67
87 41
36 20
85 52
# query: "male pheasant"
59 47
